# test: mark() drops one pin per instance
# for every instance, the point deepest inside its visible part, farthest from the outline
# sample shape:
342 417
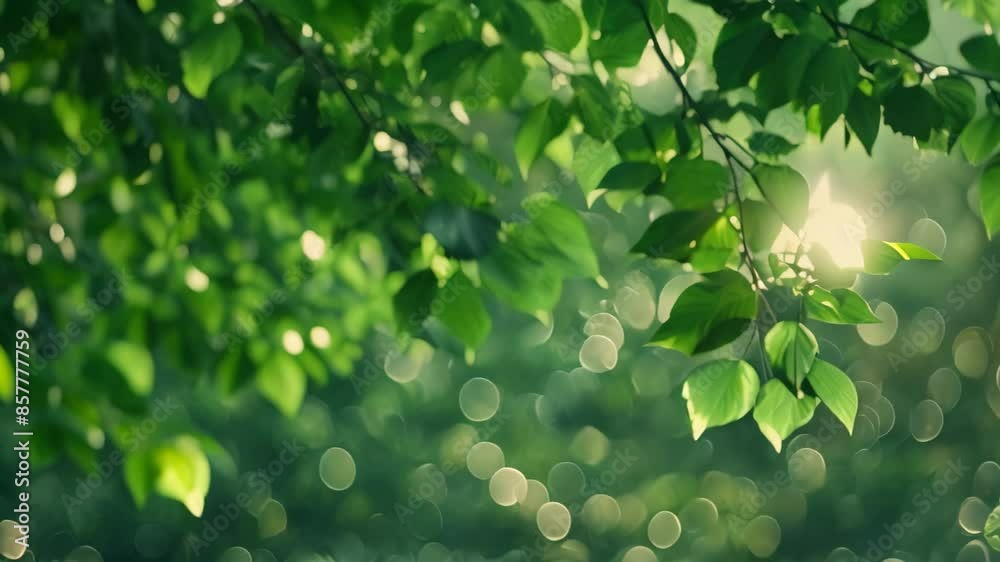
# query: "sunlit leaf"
836 390
791 349
718 393
882 257
706 309
838 306
778 412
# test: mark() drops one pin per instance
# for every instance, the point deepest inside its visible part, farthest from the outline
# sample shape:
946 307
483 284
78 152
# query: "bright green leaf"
543 123
989 197
671 236
709 313
182 473
695 184
838 306
836 390
281 380
778 412
786 190
980 139
882 257
718 393
135 365
213 51
991 531
791 349
463 312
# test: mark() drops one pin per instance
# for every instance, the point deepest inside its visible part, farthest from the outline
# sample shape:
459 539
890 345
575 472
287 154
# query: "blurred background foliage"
255 245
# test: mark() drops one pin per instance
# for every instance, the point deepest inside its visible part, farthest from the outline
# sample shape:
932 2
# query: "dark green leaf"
412 303
706 307
829 82
761 225
213 51
780 80
559 24
743 47
672 235
695 184
912 111
958 101
464 233
982 52
597 110
461 309
631 176
680 31
989 197
769 144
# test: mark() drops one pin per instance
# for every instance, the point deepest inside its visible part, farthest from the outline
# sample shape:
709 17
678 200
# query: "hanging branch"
732 161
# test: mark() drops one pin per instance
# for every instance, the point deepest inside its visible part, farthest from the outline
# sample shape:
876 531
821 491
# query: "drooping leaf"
503 71
778 412
672 235
680 32
982 52
912 111
182 473
559 24
707 309
213 51
282 382
958 101
838 306
901 21
836 390
597 111
543 123
743 47
592 160
769 144
558 236
464 233
989 197
134 363
881 257
718 393
785 190
461 309
519 279
412 303
864 116
780 80
761 225
791 349
980 139
631 176
715 248
829 82
696 183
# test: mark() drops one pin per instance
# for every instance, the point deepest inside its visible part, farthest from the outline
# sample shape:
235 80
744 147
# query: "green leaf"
463 312
778 412
597 110
791 349
864 116
982 52
980 139
464 233
503 71
623 35
838 306
769 144
882 257
786 190
7 377
899 21
543 123
718 393
836 390
134 363
212 53
761 225
705 310
412 303
716 247
672 235
743 47
989 197
680 31
559 236
695 184
281 380
829 82
958 101
519 279
558 22
912 111
631 176
592 160
991 532
139 475
182 473
780 80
